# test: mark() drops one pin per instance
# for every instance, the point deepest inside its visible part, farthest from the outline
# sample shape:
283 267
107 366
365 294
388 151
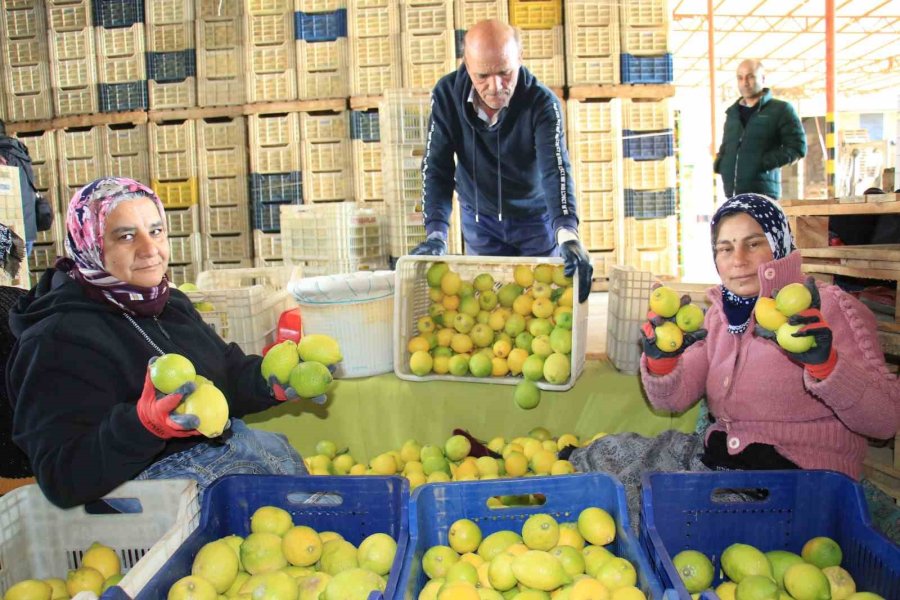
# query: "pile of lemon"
100 569
488 328
814 574
666 303
546 559
534 454
283 561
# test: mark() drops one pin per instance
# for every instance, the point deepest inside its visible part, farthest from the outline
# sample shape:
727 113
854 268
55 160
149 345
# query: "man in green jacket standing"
761 135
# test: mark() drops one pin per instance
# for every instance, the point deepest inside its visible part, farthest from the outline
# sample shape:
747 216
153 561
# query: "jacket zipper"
737 155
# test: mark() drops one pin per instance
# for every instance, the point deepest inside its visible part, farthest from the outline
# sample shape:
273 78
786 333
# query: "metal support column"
830 82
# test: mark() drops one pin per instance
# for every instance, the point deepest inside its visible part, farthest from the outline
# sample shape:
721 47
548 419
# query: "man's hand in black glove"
434 245
577 259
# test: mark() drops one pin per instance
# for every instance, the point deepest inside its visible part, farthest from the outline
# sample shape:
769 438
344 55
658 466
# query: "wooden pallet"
650 92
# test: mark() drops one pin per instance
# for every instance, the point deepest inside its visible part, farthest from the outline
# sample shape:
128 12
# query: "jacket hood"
763 100
54 293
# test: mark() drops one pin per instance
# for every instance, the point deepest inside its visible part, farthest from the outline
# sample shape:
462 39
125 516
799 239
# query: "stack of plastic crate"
650 213
593 141
374 33
73 68
26 77
79 151
338 237
271 54
645 41
320 27
173 175
365 143
171 54
428 42
121 64
325 149
469 12
125 151
275 177
403 122
224 210
592 42
220 53
544 56
42 149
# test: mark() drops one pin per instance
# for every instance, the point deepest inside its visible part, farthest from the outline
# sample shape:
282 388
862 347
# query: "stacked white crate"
543 54
73 66
645 27
366 157
170 30
468 12
26 76
331 238
271 53
374 33
42 149
79 152
325 149
403 121
224 206
322 65
592 42
428 42
121 67
125 151
220 53
594 139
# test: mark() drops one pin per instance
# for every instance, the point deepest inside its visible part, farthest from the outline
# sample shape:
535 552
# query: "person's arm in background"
559 191
438 172
791 143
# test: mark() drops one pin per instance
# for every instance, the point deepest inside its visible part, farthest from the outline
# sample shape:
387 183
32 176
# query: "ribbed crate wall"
428 42
73 63
594 130
78 150
171 54
42 149
270 51
469 12
544 55
322 50
121 68
325 149
173 162
374 35
126 151
25 62
221 79
592 42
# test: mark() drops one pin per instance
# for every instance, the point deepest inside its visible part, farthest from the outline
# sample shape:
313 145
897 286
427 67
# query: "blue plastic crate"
171 66
435 507
367 505
647 69
648 145
650 204
281 188
460 36
118 97
364 126
113 14
320 27
681 511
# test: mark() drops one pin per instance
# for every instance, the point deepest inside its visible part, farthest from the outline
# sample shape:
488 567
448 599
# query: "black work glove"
566 452
577 259
434 245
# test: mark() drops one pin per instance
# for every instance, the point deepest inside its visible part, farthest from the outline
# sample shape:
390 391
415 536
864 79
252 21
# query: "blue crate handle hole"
317 498
739 495
114 506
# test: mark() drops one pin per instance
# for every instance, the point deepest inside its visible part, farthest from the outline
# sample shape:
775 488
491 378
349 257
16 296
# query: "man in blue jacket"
761 135
512 170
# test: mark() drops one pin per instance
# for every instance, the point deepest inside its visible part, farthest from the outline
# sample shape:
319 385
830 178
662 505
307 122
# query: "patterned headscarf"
774 223
86 224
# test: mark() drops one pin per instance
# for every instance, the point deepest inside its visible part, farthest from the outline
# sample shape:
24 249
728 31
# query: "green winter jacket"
750 159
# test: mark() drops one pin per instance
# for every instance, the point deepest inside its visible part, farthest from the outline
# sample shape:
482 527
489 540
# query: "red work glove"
658 361
154 409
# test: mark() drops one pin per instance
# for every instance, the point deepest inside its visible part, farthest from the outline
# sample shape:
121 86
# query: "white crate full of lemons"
489 320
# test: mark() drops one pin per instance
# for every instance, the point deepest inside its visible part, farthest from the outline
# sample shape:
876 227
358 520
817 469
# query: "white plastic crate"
182 221
661 261
267 245
592 116
39 540
469 12
247 303
69 16
596 70
326 156
340 231
179 274
649 174
603 262
319 6
220 61
650 234
366 164
411 303
375 65
268 7
133 166
231 247
221 133
596 205
645 41
406 229
403 117
172 136
598 235
402 173
629 295
185 249
372 18
173 94
646 115
225 191
644 13
322 69
218 220
596 176
593 147
593 12
270 87
327 186
325 127
584 41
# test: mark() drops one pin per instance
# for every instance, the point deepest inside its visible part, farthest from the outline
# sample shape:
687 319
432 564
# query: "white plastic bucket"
356 309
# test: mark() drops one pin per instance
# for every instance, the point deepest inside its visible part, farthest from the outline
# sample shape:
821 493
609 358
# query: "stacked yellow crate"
173 175
73 66
594 130
592 42
171 54
365 147
374 33
26 76
271 53
220 53
428 42
322 49
224 208
325 150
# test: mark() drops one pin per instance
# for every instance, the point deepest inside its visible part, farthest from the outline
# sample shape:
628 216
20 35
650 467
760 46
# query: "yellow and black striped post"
830 154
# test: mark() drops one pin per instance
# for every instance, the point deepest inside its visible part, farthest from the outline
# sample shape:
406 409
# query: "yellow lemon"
418 343
102 558
217 563
261 552
437 560
376 553
271 519
540 532
301 546
192 588
589 588
84 579
523 275
29 589
569 536
338 556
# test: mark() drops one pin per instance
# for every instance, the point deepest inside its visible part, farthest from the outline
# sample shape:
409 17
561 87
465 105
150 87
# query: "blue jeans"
532 236
247 452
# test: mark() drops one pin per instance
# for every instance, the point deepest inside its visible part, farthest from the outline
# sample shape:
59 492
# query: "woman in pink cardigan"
770 409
